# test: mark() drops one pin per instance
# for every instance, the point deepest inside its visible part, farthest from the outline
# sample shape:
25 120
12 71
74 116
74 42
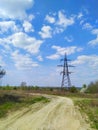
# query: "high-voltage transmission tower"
66 82
2 72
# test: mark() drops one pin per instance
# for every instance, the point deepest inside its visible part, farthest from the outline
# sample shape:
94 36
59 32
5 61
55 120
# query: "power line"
66 82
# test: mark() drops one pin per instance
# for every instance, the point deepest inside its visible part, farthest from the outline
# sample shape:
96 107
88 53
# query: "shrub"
92 87
73 89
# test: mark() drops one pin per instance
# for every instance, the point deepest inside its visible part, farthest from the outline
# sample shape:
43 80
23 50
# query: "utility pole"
66 82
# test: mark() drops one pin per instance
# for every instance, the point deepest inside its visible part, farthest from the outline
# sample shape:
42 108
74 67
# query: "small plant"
90 107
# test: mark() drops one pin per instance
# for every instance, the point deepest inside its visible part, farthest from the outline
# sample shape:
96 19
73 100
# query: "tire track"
59 114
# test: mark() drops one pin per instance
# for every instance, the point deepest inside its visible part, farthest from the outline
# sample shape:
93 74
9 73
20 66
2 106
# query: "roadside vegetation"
13 98
90 107
15 101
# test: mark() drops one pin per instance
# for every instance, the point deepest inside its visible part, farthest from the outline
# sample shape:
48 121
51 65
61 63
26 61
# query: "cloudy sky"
35 34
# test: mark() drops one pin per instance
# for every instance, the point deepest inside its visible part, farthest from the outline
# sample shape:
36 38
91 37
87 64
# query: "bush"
73 89
92 87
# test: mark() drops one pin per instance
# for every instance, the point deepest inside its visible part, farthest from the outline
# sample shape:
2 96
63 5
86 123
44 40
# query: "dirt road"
59 114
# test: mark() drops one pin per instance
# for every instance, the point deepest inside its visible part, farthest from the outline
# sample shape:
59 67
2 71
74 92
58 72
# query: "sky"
35 35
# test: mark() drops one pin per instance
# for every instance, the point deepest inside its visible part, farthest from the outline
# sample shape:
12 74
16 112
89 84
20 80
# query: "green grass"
9 103
90 107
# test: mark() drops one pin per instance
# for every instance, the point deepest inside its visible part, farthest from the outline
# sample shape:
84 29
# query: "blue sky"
35 34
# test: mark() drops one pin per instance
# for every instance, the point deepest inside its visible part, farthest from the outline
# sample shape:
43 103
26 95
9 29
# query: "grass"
90 107
16 99
13 102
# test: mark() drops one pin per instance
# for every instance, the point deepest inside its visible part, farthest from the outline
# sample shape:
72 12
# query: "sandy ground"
59 114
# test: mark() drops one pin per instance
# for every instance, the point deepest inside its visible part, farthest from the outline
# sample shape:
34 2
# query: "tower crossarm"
65 72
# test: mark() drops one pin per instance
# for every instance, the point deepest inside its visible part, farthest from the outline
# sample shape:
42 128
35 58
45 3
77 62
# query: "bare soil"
59 114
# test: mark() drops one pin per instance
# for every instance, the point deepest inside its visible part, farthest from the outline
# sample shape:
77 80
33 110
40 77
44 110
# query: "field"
23 102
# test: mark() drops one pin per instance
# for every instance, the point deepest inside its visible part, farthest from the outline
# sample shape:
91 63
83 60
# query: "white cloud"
82 22
46 32
6 26
95 31
60 51
23 61
28 26
53 57
87 26
91 60
40 58
86 69
50 19
63 21
58 30
22 40
80 15
15 8
94 41
2 63
69 38
31 17
68 50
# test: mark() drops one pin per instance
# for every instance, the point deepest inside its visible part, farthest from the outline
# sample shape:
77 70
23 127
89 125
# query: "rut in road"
59 114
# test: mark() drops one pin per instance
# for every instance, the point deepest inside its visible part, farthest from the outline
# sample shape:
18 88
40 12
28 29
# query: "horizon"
35 35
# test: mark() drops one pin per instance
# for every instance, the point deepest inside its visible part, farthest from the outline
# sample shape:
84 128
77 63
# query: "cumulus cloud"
31 17
63 20
46 32
40 58
2 63
28 27
6 26
62 50
53 57
23 61
69 38
91 60
22 40
50 19
95 31
87 26
15 8
94 41
80 15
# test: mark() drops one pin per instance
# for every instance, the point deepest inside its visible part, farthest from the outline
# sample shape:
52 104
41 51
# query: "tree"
2 72
73 89
23 85
84 86
92 87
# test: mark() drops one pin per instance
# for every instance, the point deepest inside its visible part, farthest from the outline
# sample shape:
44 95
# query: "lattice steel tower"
66 82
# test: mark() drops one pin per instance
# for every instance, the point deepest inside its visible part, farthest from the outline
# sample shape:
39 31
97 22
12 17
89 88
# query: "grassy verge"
90 107
11 102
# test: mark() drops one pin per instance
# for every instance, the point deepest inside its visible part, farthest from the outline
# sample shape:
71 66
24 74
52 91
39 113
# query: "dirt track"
59 114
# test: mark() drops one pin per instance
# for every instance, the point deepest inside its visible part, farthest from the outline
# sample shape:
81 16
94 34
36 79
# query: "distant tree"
73 89
15 88
84 86
2 72
7 87
23 85
92 87
51 89
36 87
